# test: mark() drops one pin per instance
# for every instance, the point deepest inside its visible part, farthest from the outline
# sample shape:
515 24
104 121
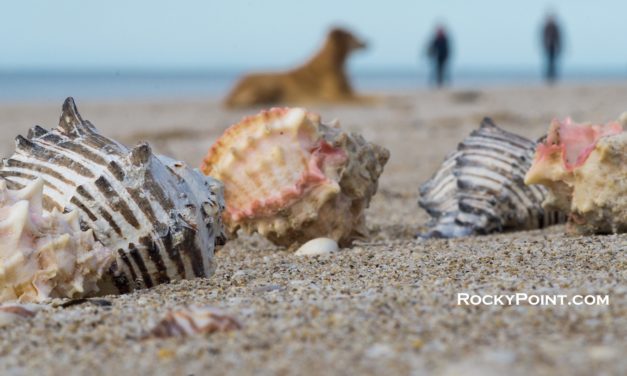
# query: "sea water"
23 86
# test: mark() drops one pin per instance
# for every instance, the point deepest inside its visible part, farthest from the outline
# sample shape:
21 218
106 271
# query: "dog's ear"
344 38
337 34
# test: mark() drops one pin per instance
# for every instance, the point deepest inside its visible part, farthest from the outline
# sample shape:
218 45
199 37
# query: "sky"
237 34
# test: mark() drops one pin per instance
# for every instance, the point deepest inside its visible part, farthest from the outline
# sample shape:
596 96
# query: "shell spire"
71 121
479 188
161 218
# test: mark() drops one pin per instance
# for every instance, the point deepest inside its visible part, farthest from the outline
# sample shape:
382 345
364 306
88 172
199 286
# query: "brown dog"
321 79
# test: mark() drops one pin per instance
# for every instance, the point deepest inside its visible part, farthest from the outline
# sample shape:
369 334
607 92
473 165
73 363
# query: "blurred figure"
551 43
439 51
322 78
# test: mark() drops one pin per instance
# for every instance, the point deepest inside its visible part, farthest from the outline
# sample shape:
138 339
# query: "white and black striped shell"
479 189
160 217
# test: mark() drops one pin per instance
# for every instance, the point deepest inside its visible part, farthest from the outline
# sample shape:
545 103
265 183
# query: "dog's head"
345 40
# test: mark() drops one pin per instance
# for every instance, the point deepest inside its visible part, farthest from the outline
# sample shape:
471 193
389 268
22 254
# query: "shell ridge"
476 173
134 216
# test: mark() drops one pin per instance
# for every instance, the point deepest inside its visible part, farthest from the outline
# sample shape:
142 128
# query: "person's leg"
551 70
440 73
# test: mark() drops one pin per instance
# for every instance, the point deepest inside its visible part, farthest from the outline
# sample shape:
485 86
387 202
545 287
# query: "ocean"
137 85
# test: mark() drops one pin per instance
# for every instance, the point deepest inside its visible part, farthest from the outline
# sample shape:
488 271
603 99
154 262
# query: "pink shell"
574 142
292 178
584 166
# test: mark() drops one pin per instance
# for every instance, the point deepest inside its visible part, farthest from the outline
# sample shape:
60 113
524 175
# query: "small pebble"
602 353
318 246
379 350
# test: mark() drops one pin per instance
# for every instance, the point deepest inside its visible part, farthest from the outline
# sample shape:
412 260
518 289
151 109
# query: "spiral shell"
479 188
584 166
161 218
292 178
45 255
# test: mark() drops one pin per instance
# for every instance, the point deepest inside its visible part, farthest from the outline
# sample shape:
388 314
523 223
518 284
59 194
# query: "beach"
385 305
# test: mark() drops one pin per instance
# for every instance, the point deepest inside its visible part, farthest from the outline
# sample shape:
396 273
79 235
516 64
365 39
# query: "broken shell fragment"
45 255
292 178
161 218
11 313
194 320
584 166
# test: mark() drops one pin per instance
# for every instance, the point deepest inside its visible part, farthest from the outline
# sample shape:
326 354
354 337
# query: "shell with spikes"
161 218
584 167
45 255
479 188
292 178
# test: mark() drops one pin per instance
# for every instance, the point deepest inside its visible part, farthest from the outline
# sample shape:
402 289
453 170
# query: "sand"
385 306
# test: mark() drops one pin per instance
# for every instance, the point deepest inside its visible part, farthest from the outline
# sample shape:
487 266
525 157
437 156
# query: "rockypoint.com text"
523 298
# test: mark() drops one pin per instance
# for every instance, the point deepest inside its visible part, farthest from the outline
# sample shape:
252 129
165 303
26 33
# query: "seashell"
161 218
292 178
584 166
318 246
11 313
45 255
479 188
194 320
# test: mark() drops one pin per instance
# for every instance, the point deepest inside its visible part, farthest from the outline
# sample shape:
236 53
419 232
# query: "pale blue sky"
195 34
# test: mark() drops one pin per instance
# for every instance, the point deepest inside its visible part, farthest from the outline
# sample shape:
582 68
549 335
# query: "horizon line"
388 69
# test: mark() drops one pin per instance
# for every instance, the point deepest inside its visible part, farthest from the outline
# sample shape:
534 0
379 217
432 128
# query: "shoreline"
109 88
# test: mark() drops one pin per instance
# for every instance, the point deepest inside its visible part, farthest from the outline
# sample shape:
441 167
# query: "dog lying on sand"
322 79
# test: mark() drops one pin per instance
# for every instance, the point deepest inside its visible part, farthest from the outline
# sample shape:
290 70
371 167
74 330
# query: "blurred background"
190 48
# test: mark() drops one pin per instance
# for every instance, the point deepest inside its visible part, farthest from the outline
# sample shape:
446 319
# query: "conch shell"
292 178
45 255
584 166
161 218
479 188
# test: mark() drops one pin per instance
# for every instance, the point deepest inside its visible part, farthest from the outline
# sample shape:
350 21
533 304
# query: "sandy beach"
384 306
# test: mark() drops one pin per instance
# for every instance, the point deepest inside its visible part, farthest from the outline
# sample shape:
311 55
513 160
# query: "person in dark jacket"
551 42
439 52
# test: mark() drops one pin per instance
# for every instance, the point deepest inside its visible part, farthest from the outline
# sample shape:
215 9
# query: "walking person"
551 41
439 52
